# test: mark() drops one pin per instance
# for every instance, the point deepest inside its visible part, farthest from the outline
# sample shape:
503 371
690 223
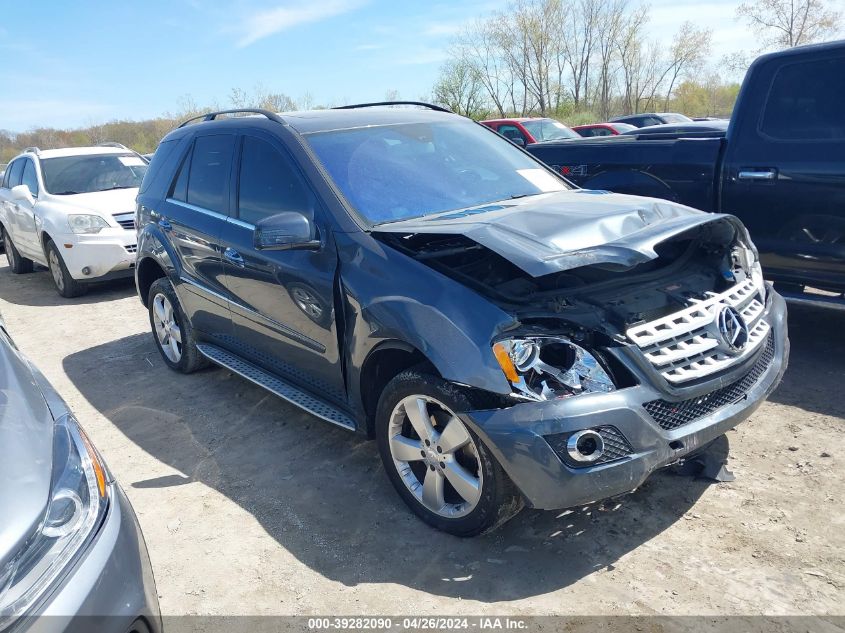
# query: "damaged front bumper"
643 428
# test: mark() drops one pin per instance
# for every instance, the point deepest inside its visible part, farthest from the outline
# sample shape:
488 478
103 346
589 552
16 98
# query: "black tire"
17 263
499 499
190 359
65 284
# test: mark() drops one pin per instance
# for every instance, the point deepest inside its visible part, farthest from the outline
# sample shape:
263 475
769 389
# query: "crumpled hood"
105 202
559 231
26 447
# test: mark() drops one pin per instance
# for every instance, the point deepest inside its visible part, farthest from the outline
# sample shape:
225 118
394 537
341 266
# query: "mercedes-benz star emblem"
733 329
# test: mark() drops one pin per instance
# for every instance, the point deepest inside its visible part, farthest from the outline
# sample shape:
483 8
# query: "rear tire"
438 465
172 332
65 284
17 263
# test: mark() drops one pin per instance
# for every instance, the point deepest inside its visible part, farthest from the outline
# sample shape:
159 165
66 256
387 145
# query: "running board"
283 389
815 300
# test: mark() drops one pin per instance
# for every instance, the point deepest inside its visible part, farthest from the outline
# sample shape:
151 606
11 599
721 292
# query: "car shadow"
813 381
321 492
37 289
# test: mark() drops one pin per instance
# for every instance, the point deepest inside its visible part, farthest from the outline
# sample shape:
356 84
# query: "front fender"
391 297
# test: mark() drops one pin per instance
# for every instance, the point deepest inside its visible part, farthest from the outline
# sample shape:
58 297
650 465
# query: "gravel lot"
250 506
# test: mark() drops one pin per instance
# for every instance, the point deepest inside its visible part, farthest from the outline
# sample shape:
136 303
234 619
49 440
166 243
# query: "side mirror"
518 140
22 192
289 230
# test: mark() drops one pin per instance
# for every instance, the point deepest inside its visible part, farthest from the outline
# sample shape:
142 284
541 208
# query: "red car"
527 130
603 129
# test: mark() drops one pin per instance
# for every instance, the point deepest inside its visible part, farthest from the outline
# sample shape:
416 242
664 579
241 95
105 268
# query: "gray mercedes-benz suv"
72 557
412 275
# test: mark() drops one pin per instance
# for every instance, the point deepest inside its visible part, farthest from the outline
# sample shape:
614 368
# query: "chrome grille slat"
685 345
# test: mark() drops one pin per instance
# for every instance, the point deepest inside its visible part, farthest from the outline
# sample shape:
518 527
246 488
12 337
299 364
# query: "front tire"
439 466
17 263
65 284
172 331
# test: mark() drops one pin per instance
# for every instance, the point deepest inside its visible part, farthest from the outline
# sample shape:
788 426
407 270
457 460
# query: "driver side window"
269 183
29 178
512 133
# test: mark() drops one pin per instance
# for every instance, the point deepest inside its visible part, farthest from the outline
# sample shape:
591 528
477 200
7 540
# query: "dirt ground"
250 506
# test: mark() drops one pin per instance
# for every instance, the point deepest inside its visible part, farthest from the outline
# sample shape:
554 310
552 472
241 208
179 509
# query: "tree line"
587 60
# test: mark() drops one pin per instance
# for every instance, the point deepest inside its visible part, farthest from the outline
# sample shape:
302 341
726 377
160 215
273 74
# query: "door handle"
164 224
234 257
757 174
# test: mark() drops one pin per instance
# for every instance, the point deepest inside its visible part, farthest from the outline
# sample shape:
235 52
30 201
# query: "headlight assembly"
77 504
86 224
547 367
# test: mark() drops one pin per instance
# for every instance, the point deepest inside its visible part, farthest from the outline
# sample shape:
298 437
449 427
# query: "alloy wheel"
56 270
168 332
435 456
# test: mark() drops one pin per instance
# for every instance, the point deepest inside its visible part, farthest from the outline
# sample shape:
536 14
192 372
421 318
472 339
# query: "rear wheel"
438 465
65 284
172 331
17 263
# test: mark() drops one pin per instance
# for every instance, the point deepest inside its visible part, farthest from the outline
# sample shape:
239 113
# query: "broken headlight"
746 263
547 367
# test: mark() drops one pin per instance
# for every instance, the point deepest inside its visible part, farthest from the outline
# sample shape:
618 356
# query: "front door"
26 238
282 302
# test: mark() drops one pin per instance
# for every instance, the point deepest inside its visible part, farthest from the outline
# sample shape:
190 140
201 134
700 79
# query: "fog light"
585 446
86 271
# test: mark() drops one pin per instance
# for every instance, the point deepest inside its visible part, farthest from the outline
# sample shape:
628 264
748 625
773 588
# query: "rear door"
11 179
282 302
784 172
192 219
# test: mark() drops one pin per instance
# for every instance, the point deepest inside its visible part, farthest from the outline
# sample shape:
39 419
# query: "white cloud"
261 24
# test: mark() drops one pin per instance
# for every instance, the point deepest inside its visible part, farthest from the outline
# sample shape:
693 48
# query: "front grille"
132 248
615 446
687 345
671 415
126 220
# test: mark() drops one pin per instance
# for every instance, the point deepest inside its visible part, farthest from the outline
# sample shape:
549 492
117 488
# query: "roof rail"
113 144
213 115
32 150
422 104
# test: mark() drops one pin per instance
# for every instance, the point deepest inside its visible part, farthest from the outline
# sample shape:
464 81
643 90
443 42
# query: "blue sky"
69 64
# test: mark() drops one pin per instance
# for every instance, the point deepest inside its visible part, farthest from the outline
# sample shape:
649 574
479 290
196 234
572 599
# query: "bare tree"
689 51
788 23
459 88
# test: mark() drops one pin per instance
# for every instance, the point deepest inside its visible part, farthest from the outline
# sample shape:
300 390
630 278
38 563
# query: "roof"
316 121
518 119
80 151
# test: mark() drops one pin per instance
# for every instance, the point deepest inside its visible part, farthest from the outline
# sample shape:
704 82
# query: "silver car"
72 556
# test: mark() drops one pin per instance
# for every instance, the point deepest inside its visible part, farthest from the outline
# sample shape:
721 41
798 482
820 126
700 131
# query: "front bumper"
108 254
110 588
516 435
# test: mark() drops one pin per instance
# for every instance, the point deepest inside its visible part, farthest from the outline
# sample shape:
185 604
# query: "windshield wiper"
118 187
65 193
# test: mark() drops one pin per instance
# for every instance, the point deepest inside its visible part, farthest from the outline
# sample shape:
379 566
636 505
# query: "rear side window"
179 190
805 102
268 183
29 178
208 177
14 173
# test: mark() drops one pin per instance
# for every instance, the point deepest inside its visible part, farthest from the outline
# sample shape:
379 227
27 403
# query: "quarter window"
268 183
805 102
208 179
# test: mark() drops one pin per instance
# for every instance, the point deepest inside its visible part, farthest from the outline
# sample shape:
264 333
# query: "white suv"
72 210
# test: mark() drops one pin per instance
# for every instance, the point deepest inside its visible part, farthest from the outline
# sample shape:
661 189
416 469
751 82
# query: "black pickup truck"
780 167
